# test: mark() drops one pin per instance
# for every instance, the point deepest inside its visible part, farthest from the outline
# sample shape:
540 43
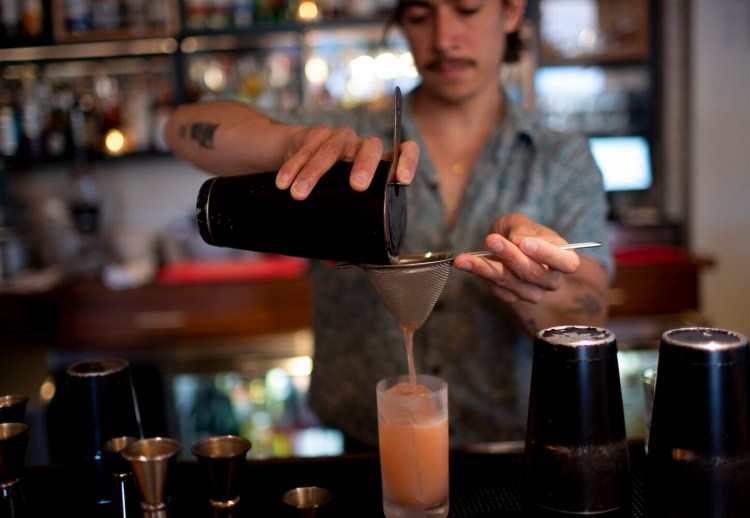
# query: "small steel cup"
576 452
306 502
152 460
223 459
13 408
698 461
14 439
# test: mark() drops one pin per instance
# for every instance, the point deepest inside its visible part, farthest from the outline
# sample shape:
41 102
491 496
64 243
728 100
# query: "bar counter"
485 482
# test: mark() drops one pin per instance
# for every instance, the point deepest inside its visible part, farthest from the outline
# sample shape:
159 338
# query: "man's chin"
450 92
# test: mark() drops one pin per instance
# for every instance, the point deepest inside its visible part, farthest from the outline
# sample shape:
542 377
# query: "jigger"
306 501
14 439
13 408
222 459
125 501
151 461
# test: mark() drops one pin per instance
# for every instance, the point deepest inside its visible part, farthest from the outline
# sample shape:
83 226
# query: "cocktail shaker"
333 223
101 405
698 461
576 452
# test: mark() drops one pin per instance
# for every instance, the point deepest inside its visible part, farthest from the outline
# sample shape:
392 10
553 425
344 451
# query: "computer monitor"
625 162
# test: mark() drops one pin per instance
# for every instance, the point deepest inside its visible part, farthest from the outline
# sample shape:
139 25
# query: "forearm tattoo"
585 304
201 132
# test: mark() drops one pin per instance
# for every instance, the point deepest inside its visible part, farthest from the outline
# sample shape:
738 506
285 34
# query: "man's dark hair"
513 46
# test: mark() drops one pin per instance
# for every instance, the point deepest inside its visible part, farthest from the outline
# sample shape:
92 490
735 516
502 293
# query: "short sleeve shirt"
471 339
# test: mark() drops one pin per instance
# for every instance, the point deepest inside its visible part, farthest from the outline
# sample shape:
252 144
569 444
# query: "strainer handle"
566 246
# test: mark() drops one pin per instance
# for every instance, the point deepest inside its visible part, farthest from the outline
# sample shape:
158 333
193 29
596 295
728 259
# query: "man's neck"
472 114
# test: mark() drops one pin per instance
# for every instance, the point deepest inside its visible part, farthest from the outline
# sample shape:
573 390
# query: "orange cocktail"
413 440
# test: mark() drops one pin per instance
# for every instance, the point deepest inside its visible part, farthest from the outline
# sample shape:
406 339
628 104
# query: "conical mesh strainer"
410 288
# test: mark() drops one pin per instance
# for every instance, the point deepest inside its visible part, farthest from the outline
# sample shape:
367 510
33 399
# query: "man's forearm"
225 137
581 300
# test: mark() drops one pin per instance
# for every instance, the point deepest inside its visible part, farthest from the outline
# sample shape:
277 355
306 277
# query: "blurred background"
99 252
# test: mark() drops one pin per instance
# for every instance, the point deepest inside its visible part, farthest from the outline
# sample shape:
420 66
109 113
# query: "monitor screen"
625 162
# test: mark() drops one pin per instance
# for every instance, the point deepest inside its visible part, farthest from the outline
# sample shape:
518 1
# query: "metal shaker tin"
333 223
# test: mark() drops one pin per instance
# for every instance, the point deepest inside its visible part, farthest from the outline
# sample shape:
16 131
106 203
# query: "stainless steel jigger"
125 499
306 500
14 438
151 460
13 408
223 459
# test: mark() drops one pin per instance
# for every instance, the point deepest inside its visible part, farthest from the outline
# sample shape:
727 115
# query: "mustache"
439 63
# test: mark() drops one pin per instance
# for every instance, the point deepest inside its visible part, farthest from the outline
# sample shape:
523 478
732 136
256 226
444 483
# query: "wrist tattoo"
203 134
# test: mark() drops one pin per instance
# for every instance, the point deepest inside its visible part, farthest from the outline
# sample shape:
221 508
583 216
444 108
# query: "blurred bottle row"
221 15
79 110
84 109
32 22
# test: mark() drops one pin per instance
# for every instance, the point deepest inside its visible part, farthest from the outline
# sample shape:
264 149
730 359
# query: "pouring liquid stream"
409 345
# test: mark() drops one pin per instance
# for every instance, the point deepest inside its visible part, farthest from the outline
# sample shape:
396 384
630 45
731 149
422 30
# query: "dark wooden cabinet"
92 315
656 288
86 314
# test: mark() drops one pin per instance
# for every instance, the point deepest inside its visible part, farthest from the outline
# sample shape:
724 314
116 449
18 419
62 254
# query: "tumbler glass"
414 446
698 461
223 459
576 451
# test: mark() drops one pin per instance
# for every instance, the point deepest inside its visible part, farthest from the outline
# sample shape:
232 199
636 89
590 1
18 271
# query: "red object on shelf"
652 255
197 271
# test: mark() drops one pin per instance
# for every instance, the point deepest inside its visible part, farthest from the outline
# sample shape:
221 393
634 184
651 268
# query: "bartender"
482 174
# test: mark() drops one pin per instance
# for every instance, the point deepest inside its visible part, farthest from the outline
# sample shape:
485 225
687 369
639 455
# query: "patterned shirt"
472 339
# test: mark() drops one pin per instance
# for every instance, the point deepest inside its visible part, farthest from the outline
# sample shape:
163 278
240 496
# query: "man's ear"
513 12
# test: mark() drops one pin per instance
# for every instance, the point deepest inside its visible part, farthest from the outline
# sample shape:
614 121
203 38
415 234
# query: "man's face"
458 45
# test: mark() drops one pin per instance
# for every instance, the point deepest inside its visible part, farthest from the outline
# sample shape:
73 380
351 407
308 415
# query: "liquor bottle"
33 114
242 16
8 124
32 18
85 201
105 15
275 11
77 16
10 16
58 138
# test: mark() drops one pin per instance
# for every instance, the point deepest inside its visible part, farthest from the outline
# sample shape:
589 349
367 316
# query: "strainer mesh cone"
410 292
